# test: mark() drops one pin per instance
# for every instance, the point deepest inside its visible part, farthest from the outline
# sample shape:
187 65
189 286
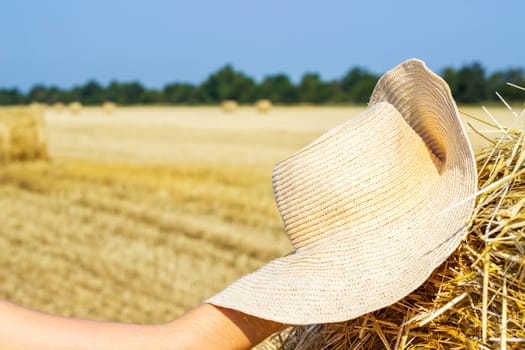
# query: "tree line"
469 84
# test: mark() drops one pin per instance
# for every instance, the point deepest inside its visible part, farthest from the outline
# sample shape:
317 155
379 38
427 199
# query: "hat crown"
336 187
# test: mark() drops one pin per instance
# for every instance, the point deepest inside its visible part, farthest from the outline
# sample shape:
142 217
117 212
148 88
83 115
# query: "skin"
205 327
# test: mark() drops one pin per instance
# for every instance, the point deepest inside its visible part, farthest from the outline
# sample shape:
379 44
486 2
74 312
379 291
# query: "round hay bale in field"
109 107
229 106
37 107
264 106
23 134
58 107
75 108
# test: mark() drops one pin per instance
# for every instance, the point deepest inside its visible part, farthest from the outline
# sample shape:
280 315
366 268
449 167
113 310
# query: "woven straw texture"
371 208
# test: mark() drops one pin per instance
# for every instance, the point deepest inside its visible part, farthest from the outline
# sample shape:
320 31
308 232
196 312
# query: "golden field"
141 214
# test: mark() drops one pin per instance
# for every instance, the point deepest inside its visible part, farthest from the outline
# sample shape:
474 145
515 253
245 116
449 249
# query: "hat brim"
372 207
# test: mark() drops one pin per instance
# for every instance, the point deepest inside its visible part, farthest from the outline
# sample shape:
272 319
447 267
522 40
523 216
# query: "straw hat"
371 207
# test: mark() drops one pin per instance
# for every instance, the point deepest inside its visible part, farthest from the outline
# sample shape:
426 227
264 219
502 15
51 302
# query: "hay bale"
229 106
22 135
59 107
75 108
475 300
109 107
264 106
4 142
37 107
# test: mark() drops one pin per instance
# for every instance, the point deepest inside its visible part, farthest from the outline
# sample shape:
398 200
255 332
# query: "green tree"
308 87
43 94
125 93
498 83
113 92
471 86
92 93
357 85
72 95
179 93
313 90
451 76
362 90
278 89
54 95
11 97
151 96
227 84
352 77
38 93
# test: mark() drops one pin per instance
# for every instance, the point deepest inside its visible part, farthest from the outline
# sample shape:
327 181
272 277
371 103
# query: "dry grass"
167 135
204 135
130 243
476 299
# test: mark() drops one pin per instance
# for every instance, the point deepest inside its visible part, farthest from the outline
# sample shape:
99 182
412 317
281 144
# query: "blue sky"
65 43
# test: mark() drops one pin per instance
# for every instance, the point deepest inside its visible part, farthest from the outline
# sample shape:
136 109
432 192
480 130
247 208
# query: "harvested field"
142 215
205 135
137 244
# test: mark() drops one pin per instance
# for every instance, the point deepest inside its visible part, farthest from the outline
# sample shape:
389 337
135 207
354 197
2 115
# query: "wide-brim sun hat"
371 207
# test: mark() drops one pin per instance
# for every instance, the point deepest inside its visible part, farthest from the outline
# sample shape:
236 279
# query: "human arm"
205 327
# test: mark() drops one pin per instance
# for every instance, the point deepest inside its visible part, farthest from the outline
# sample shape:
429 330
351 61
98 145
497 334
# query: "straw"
22 134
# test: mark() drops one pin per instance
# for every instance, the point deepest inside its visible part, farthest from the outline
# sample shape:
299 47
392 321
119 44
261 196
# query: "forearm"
205 327
21 328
